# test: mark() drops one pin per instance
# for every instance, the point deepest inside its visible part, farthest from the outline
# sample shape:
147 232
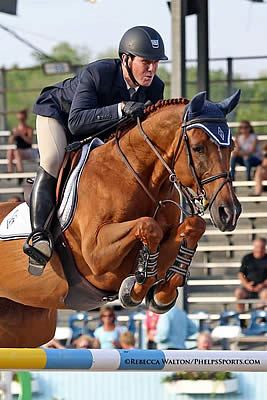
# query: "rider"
98 96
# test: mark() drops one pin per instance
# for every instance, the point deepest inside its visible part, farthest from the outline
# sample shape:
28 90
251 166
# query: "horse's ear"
229 104
197 103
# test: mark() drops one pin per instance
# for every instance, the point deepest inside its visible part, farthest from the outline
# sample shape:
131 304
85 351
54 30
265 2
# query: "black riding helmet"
142 41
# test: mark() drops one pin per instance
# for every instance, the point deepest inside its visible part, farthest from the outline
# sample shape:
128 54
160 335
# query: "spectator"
127 341
84 342
247 151
14 199
253 275
21 136
107 336
204 341
53 344
151 329
173 328
261 173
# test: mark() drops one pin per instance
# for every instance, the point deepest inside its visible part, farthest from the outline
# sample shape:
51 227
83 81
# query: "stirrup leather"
34 253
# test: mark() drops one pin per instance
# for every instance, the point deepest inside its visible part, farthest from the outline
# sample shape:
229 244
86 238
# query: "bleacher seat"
230 317
258 323
78 323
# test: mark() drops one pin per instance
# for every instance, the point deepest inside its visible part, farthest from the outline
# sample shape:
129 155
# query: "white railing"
132 360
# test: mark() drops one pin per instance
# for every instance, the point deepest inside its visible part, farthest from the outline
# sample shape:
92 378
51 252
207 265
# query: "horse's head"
208 143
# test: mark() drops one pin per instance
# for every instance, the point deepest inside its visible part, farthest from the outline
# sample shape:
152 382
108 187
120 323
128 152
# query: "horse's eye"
198 149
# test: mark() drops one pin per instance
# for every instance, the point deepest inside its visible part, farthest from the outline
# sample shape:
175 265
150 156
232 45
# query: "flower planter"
202 386
16 387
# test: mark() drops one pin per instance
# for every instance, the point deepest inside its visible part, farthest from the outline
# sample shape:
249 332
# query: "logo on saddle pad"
10 221
155 43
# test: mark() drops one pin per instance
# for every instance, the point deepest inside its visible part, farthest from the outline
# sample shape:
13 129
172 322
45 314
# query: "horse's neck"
161 129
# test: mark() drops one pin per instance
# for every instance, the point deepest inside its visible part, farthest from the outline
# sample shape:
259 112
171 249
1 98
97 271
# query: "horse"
127 235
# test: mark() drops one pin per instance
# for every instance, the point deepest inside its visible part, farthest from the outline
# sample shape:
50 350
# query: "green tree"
65 52
165 76
29 82
111 52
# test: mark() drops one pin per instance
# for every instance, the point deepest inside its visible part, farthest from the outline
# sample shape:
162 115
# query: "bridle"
197 201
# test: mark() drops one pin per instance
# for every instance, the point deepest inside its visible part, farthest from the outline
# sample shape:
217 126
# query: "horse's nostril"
224 214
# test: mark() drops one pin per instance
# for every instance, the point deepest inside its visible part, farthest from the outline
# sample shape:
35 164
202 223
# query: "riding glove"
133 109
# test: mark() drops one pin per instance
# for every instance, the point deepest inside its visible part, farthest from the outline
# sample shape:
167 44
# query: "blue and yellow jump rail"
131 360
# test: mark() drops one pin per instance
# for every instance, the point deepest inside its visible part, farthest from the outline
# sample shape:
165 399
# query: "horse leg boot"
175 258
42 208
134 288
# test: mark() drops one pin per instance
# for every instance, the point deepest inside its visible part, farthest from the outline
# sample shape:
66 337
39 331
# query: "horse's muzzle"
225 216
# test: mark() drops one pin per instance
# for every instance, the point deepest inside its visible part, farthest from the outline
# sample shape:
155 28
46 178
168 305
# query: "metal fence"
19 87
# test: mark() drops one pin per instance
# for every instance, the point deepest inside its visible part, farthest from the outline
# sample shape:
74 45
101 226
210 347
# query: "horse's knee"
149 232
150 226
194 226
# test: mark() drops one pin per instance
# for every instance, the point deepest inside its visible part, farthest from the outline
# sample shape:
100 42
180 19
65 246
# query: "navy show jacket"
88 102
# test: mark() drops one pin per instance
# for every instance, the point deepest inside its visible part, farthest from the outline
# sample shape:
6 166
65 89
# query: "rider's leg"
52 142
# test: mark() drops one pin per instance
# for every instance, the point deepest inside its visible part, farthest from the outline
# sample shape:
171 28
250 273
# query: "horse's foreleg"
114 243
134 288
162 296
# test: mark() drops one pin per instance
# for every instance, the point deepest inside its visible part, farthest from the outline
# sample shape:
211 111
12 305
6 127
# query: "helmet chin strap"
130 72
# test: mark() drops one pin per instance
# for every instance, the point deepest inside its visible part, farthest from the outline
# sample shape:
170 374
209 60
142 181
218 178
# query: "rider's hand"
133 109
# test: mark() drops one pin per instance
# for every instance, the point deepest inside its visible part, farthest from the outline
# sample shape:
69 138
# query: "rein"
195 202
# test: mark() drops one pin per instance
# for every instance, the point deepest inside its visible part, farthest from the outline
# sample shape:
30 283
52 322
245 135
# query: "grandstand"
216 263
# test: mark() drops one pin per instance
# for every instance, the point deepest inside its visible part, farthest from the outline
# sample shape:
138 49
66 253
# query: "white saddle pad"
16 225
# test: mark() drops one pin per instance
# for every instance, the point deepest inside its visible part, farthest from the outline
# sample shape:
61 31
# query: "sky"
236 28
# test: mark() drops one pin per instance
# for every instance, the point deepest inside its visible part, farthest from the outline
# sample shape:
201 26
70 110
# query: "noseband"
197 202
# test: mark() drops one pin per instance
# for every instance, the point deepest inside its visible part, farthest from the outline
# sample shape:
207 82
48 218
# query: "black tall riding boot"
42 208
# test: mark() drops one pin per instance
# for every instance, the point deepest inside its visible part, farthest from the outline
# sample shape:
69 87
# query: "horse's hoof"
125 293
155 307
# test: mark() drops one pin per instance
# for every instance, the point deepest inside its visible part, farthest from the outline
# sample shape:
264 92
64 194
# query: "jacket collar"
120 82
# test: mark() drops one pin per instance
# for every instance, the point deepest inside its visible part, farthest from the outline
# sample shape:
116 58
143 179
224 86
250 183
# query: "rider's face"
143 70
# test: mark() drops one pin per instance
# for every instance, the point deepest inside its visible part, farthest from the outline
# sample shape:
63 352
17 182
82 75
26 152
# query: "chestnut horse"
115 214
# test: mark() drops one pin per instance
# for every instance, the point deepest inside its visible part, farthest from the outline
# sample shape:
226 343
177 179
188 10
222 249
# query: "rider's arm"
85 116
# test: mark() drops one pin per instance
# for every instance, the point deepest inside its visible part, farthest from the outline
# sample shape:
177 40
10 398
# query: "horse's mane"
148 111
163 103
